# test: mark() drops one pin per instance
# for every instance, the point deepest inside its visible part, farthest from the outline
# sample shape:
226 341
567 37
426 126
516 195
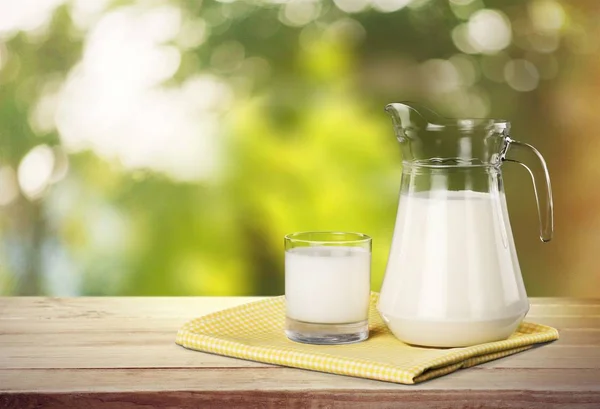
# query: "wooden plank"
173 356
117 307
551 356
157 325
82 325
143 324
40 315
568 337
564 300
158 330
580 337
88 339
347 399
289 388
70 325
190 307
573 309
562 309
116 356
284 379
567 322
135 350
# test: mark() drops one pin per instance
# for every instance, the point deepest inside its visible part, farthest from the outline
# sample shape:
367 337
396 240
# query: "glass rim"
357 237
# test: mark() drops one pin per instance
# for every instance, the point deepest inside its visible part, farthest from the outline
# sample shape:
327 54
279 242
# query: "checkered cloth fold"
254 331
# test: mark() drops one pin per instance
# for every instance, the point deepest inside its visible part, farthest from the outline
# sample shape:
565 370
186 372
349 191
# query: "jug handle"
539 175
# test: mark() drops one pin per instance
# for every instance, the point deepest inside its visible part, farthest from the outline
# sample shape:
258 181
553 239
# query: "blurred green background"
165 147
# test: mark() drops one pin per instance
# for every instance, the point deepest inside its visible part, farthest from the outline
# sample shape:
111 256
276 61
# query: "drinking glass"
327 287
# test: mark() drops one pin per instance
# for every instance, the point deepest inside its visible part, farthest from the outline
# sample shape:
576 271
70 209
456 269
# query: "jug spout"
411 116
428 138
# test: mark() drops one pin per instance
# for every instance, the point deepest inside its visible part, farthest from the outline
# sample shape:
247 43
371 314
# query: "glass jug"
452 277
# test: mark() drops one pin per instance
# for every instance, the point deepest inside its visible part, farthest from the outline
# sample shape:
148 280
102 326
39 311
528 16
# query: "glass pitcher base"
452 334
326 334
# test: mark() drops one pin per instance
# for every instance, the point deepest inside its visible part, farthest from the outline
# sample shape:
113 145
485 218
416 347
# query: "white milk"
452 277
328 285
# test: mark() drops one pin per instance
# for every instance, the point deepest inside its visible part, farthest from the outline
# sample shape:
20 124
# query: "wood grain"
283 387
306 400
285 379
120 352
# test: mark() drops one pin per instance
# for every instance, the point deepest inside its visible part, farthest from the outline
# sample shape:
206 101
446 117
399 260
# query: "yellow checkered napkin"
254 331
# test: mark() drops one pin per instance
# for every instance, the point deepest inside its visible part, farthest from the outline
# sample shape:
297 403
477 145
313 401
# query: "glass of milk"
327 287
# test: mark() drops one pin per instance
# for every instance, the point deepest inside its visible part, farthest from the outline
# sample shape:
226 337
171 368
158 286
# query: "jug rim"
436 122
468 123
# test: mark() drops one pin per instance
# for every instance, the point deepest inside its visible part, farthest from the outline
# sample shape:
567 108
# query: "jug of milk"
452 277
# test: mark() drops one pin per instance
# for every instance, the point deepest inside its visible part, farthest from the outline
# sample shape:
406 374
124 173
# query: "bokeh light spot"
35 171
85 13
440 75
463 9
546 15
25 15
467 103
346 30
42 116
61 164
388 6
298 13
193 33
489 31
467 67
460 38
521 75
160 24
113 102
352 6
544 43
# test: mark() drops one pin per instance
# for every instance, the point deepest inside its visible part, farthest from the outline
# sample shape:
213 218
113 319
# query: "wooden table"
120 352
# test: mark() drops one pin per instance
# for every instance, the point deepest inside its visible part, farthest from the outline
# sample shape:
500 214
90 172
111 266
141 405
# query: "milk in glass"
327 284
